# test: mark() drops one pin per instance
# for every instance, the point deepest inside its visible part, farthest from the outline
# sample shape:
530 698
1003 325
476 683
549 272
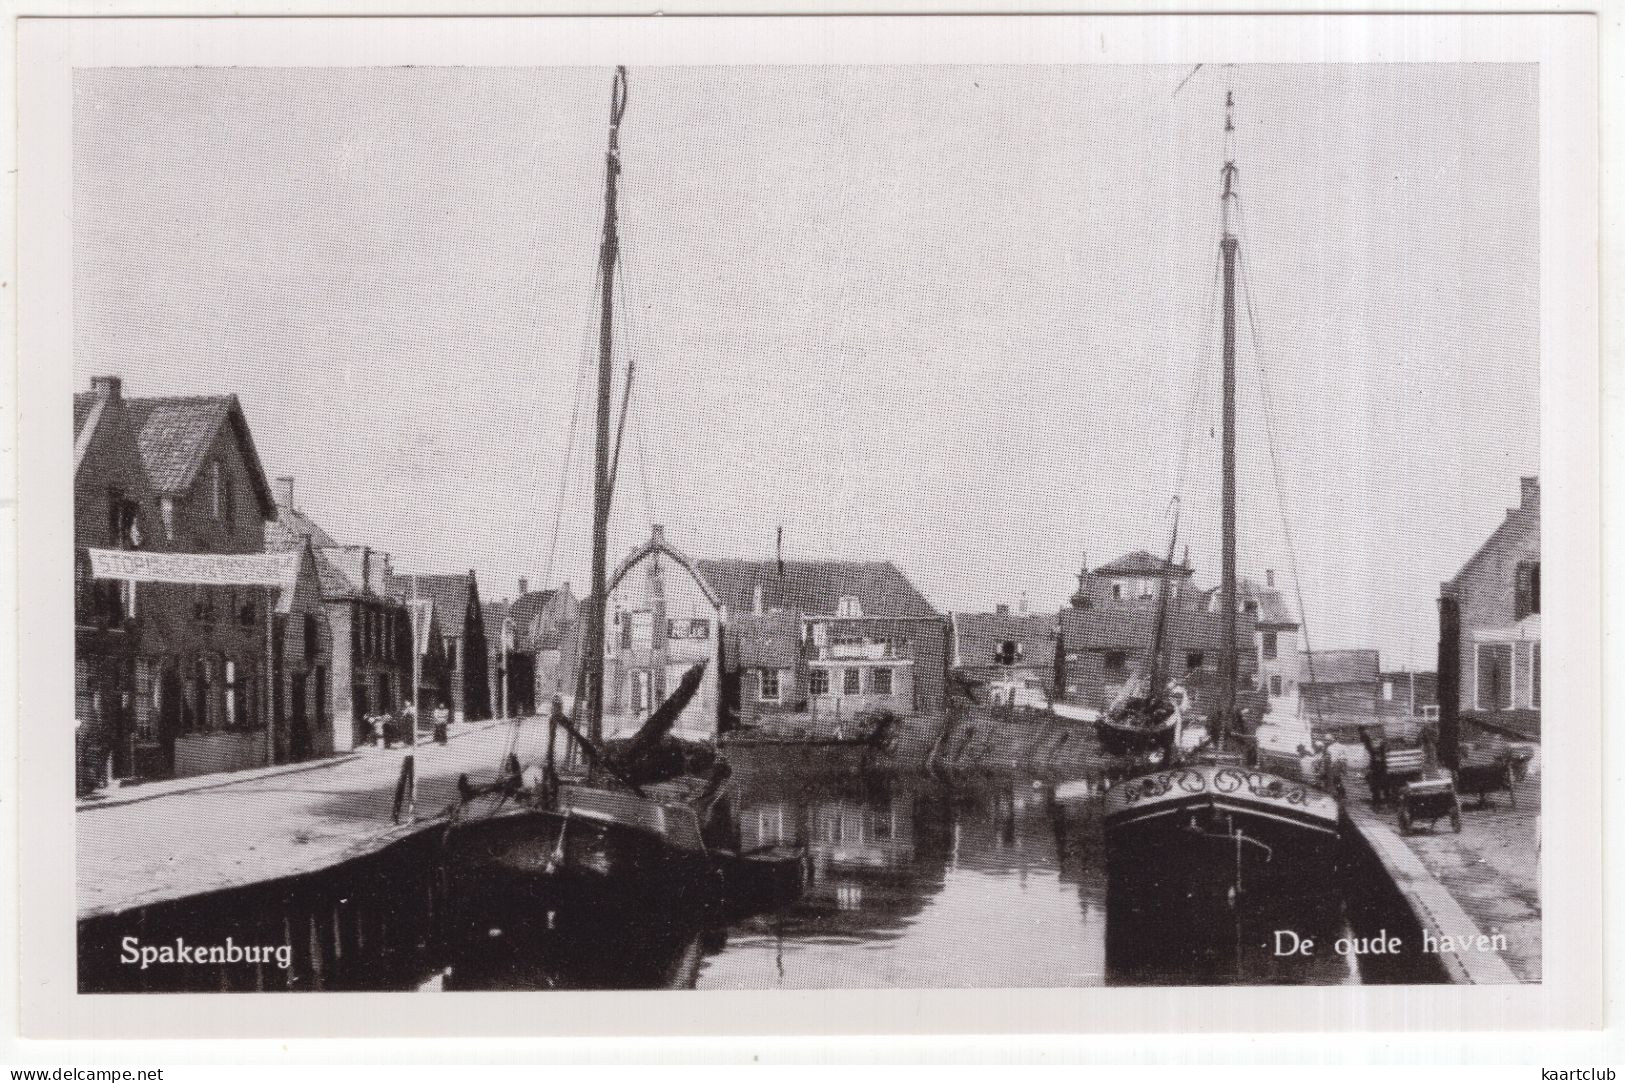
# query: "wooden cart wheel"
1512 790
1404 818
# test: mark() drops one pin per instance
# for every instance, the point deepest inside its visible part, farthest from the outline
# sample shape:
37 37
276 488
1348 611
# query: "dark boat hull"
1214 839
548 866
1119 738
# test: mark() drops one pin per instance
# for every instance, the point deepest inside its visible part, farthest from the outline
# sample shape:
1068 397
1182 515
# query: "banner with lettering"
207 569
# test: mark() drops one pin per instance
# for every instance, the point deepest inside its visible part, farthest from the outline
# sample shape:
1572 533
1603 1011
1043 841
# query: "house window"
232 691
1008 654
1534 684
849 607
1194 660
1270 645
640 690
1117 592
1275 684
643 630
313 642
1116 663
1250 608
769 686
203 709
1494 679
247 614
851 681
1526 590
1145 588
626 630
1388 691
819 682
880 681
166 512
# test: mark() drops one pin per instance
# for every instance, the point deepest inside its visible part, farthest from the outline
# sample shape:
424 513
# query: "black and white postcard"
999 524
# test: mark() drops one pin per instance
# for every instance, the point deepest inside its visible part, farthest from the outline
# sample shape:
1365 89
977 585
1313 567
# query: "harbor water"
912 881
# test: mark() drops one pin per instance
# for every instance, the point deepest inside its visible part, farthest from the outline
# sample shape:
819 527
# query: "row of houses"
217 626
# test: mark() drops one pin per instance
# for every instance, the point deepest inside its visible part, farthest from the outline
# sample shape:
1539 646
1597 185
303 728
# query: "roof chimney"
107 387
658 534
284 492
524 586
1529 491
1023 609
1001 610
1269 577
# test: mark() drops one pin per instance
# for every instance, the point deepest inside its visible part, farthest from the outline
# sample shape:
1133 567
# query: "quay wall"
364 923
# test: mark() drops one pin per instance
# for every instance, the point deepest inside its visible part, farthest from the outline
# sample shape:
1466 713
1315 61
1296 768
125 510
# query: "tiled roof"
1140 562
291 527
815 587
1340 667
768 641
977 637
450 594
82 404
294 568
174 435
336 582
1273 608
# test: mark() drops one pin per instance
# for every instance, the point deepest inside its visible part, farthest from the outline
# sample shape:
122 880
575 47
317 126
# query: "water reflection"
915 883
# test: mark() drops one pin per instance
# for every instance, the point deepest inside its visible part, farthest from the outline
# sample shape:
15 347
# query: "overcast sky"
958 318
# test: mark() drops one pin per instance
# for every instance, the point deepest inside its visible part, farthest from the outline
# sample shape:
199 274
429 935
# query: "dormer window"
849 607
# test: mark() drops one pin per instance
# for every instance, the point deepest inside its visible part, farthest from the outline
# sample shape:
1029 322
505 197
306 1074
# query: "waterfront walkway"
150 843
1491 869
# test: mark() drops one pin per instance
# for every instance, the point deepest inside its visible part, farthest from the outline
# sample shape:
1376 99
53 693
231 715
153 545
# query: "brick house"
302 723
521 637
196 699
368 670
662 617
372 637
1133 577
462 623
1015 651
1105 635
112 509
827 639
1489 631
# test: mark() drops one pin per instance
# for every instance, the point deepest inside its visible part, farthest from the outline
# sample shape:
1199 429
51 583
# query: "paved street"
186 836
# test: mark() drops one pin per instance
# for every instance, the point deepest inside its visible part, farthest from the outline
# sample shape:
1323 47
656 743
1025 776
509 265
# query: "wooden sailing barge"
643 831
1209 838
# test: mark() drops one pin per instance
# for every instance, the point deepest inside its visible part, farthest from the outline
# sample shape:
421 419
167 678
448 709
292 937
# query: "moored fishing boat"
1208 841
637 826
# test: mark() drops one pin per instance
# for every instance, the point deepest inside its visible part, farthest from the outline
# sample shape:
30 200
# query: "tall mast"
601 492
1227 594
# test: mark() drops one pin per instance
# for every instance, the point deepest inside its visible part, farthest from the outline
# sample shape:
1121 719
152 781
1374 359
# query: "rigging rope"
1275 465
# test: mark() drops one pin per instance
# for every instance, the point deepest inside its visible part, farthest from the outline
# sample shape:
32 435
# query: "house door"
170 704
299 728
